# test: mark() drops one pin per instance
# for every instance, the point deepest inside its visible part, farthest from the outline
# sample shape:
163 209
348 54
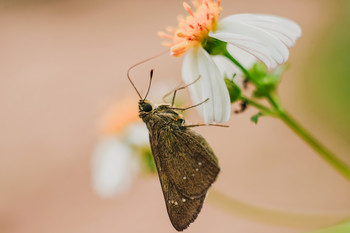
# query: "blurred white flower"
113 167
137 134
116 158
254 36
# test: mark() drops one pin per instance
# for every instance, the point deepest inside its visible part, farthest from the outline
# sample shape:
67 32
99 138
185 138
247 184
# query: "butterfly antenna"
139 63
149 85
132 81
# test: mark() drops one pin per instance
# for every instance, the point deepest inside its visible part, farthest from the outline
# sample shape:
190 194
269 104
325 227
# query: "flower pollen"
193 29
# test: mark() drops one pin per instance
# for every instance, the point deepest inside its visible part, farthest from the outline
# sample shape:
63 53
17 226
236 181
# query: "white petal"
225 66
189 74
246 59
286 30
211 85
228 69
137 134
113 167
248 45
260 35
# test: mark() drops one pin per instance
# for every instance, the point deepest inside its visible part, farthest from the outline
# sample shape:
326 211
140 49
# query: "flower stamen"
170 30
193 29
188 9
165 35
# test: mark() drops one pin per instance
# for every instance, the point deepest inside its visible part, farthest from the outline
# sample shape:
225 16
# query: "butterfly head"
145 106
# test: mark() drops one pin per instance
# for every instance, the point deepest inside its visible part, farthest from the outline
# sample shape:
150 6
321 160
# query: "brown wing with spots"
188 161
186 167
182 211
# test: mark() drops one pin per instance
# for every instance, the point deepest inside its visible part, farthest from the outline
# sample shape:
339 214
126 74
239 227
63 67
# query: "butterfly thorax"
160 116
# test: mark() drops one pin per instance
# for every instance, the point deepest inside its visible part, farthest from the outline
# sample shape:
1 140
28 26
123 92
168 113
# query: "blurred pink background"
64 62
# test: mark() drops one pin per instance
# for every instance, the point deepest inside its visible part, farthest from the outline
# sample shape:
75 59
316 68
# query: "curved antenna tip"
150 81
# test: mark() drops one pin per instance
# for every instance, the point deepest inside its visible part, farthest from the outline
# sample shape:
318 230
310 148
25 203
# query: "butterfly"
186 164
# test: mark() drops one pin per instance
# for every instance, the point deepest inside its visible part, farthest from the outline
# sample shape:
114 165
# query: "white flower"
254 36
112 167
137 134
115 161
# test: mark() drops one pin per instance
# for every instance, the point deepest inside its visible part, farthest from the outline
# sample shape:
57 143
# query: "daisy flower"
201 35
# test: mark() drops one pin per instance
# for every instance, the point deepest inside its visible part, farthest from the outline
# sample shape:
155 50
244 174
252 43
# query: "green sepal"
258 71
233 90
214 46
265 82
255 118
271 80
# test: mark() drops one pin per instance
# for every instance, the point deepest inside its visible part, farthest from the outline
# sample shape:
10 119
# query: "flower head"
201 35
193 29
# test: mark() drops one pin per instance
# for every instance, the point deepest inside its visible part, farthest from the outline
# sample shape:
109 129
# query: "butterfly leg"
183 109
177 89
170 92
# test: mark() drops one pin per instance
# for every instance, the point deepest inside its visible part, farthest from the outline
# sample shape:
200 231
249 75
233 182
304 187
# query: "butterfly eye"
147 107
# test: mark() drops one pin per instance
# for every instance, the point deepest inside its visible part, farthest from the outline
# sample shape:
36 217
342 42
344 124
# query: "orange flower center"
193 29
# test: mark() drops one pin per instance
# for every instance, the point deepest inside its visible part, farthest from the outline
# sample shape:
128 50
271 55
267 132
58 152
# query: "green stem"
278 111
326 154
274 101
263 109
316 145
245 72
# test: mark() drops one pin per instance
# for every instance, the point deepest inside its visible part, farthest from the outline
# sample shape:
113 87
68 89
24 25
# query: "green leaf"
233 90
255 118
343 227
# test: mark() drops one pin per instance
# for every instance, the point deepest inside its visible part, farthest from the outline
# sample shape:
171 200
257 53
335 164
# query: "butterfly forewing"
182 210
188 163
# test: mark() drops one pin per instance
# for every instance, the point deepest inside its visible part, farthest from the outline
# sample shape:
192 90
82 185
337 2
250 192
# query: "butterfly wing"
182 211
188 160
186 167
